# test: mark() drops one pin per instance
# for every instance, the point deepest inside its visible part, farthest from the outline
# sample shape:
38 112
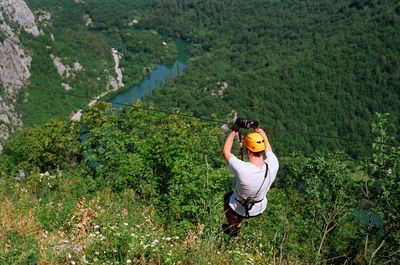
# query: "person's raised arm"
226 149
271 158
264 135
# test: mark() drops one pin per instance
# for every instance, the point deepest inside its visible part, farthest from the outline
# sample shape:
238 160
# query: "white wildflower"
154 243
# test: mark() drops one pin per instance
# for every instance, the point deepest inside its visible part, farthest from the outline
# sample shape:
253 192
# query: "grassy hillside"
136 185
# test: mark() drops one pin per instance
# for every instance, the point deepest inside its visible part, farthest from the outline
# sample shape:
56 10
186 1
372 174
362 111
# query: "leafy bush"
382 188
165 158
48 147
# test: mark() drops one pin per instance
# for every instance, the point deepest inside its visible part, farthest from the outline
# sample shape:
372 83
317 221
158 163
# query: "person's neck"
258 161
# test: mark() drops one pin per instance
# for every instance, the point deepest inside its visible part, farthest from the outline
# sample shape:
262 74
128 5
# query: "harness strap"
240 201
248 204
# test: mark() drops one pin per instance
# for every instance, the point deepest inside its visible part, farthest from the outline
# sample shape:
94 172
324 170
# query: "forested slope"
320 67
317 66
297 66
81 45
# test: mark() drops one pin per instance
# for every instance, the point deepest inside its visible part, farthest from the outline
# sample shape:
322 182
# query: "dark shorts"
227 197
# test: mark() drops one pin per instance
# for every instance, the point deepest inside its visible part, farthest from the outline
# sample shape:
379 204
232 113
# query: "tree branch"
338 257
387 234
391 255
376 251
332 227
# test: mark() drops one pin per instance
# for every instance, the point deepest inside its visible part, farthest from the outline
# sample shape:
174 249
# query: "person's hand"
260 131
235 127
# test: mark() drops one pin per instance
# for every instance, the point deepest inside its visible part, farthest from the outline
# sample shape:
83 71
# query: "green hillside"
317 67
135 185
66 36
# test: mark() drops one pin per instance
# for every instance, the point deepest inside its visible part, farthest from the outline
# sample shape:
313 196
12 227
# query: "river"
155 79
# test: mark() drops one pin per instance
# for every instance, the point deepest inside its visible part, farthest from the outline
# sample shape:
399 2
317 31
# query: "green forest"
317 67
298 66
144 184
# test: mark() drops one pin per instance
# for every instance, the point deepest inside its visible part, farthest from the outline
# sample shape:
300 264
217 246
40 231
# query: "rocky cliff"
15 63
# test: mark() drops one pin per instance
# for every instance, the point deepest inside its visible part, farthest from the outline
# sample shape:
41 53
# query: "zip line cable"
216 121
274 130
138 107
125 105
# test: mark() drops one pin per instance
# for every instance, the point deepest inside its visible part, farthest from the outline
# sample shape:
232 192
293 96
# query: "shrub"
48 147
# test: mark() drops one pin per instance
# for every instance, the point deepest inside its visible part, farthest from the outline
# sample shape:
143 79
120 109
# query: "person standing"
253 178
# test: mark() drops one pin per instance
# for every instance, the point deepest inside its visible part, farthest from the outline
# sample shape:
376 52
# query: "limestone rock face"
65 70
14 61
14 66
19 12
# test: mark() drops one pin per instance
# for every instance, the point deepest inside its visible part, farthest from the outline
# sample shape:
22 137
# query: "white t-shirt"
249 179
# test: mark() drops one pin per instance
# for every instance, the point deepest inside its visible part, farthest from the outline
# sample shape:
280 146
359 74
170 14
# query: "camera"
247 123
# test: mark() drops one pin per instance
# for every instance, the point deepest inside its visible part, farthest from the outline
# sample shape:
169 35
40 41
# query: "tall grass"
57 219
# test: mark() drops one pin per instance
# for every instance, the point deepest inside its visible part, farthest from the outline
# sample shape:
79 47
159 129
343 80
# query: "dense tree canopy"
316 66
298 66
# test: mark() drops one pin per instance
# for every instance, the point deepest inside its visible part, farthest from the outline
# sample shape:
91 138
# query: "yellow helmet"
254 142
